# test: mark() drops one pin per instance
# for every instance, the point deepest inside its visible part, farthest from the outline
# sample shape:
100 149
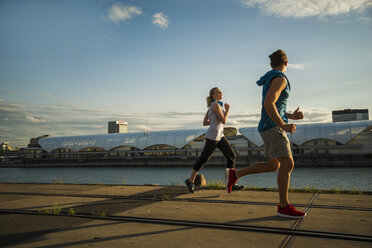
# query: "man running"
273 127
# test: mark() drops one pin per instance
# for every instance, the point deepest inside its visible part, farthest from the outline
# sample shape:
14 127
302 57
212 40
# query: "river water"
342 178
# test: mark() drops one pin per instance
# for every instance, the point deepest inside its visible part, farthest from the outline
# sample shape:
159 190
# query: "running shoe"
230 179
190 186
290 212
237 187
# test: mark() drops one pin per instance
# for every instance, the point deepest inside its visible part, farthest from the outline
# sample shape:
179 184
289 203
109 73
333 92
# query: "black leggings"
210 146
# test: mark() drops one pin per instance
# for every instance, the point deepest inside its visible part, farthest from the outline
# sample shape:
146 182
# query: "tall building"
4 147
117 127
350 115
34 141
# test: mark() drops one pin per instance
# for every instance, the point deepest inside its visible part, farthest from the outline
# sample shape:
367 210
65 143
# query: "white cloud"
20 122
160 20
6 92
315 115
33 119
365 19
296 66
306 8
234 122
143 127
121 12
47 94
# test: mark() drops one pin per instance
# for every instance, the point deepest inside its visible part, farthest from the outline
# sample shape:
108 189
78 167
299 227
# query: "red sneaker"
290 212
230 179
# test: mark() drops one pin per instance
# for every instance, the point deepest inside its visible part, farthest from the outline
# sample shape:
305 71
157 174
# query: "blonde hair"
210 97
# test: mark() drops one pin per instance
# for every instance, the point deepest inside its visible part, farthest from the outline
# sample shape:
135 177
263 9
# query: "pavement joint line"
210 225
286 242
158 198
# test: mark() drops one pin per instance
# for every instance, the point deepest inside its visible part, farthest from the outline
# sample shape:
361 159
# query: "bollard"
200 181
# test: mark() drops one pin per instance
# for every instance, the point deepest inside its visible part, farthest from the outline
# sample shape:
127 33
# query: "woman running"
215 117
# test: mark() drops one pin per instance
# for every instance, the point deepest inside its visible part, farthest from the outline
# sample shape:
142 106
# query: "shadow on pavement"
16 228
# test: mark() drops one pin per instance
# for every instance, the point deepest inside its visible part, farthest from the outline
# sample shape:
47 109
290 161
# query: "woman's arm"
206 121
220 115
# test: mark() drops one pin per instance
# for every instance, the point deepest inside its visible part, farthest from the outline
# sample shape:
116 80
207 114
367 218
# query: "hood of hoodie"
270 75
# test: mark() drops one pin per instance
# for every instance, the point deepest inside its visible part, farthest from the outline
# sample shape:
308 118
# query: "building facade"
312 144
350 115
117 127
34 142
4 148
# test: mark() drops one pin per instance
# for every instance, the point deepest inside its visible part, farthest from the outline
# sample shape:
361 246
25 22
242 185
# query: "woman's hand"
206 121
222 117
227 107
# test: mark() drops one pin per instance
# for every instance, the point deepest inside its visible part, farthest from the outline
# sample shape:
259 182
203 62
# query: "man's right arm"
278 84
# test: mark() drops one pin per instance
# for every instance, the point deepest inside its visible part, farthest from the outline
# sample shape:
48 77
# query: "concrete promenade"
59 215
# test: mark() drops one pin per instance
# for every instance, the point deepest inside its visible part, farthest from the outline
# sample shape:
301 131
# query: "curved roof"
341 132
176 138
229 131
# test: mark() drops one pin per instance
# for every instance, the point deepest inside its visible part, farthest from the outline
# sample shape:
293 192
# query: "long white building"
353 137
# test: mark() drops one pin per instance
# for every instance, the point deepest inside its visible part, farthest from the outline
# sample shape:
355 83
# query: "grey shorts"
276 143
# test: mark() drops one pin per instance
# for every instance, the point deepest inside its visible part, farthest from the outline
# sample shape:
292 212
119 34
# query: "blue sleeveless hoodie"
281 104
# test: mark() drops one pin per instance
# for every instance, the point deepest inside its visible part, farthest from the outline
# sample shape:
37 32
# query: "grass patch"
58 181
71 211
175 183
165 198
216 184
124 181
101 214
55 210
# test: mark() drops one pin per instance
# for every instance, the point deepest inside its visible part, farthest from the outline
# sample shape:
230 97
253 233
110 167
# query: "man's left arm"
297 115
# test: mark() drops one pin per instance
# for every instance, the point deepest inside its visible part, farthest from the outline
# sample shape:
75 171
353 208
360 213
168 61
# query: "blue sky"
68 67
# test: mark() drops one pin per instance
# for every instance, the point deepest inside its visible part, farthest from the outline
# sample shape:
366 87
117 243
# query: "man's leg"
260 167
271 165
284 176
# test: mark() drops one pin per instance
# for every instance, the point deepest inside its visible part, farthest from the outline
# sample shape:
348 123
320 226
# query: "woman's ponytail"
210 97
209 101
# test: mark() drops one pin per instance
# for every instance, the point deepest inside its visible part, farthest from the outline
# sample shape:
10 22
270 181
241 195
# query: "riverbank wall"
349 160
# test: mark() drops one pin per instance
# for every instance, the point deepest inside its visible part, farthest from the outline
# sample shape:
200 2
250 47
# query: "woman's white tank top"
215 130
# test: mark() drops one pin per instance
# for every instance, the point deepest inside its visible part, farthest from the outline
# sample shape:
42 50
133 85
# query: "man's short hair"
277 58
